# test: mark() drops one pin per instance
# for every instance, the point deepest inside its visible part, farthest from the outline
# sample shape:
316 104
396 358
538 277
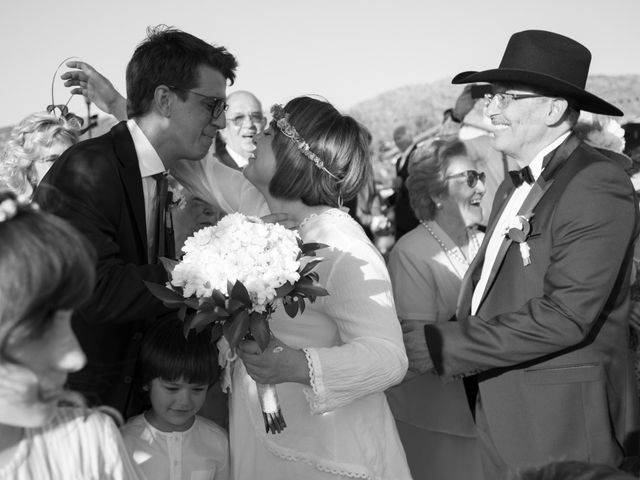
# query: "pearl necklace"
457 251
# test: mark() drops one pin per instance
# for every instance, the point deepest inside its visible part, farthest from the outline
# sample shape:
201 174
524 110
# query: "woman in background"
426 266
35 143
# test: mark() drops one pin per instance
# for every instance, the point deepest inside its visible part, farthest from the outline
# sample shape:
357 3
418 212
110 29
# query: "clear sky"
344 50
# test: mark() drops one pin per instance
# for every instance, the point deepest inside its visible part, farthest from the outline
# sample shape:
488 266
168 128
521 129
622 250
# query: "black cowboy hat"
551 62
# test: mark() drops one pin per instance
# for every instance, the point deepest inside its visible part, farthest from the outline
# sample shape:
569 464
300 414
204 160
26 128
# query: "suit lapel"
472 275
551 163
131 179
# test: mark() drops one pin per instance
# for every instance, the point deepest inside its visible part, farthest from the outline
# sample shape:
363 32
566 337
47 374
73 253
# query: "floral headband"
282 121
9 207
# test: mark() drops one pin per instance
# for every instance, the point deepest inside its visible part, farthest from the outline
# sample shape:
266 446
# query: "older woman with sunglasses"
426 266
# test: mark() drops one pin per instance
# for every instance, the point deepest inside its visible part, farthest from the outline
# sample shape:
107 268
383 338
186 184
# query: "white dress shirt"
510 211
199 453
239 159
150 164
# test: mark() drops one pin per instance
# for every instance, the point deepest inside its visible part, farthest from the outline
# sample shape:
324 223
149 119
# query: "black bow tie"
518 177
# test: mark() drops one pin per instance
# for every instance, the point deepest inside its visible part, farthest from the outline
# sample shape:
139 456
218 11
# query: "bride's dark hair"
338 140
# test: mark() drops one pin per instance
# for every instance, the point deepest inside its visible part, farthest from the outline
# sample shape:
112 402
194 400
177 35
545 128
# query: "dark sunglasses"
215 105
472 177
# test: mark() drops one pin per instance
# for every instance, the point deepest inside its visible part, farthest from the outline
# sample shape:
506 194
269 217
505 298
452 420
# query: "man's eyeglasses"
214 104
504 99
238 120
472 177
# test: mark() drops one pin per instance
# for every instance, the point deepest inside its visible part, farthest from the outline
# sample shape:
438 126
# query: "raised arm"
91 84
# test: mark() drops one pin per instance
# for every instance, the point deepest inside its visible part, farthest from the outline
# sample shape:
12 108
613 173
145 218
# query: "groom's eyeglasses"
472 177
215 105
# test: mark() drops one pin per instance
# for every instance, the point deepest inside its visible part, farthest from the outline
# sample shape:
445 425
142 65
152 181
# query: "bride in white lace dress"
339 356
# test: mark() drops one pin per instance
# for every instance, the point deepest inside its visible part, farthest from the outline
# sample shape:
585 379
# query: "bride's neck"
296 209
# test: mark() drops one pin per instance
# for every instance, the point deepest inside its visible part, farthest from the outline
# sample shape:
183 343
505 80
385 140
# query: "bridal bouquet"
230 278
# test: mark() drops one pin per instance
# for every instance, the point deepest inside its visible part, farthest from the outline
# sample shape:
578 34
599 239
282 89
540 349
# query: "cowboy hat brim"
580 97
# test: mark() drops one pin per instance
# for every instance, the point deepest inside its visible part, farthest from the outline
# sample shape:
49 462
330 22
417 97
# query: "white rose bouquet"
230 278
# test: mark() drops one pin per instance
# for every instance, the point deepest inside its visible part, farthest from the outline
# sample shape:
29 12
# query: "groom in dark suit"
542 331
107 187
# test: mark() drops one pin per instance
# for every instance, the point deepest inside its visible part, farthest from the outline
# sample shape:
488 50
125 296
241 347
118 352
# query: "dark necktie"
165 246
518 177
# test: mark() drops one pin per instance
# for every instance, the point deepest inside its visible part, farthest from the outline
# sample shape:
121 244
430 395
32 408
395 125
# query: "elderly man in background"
542 318
244 121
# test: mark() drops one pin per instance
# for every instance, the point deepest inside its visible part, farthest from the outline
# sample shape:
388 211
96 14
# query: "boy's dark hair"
166 353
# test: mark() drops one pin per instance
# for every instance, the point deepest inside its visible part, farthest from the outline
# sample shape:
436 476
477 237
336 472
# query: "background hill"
421 106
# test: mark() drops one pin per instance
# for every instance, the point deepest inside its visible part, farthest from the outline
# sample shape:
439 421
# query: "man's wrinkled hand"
416 346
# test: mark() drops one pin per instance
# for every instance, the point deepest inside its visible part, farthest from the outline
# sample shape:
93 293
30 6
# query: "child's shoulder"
211 428
134 425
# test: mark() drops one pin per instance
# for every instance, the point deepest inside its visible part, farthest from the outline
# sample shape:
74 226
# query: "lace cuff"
316 391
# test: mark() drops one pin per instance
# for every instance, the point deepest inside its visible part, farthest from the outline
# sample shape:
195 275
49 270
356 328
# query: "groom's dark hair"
169 56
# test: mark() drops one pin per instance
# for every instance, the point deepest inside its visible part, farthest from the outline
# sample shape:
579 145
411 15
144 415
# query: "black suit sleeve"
85 187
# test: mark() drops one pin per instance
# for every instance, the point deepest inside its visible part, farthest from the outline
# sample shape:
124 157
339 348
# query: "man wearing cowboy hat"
541 330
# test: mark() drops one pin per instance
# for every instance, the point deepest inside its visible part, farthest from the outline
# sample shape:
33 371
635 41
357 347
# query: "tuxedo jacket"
548 346
96 186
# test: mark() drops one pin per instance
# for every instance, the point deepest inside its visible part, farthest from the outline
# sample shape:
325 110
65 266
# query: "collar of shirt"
148 159
536 163
239 159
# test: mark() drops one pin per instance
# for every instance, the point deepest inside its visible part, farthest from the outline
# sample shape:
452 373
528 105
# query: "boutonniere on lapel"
177 200
518 230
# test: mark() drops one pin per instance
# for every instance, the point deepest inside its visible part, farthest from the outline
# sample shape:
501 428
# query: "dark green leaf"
202 319
187 323
313 289
182 313
236 328
192 302
206 304
310 248
283 290
310 266
218 298
291 309
301 304
234 305
221 312
260 329
216 332
239 292
167 296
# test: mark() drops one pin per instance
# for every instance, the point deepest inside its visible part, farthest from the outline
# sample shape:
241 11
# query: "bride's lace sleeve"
371 357
219 185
